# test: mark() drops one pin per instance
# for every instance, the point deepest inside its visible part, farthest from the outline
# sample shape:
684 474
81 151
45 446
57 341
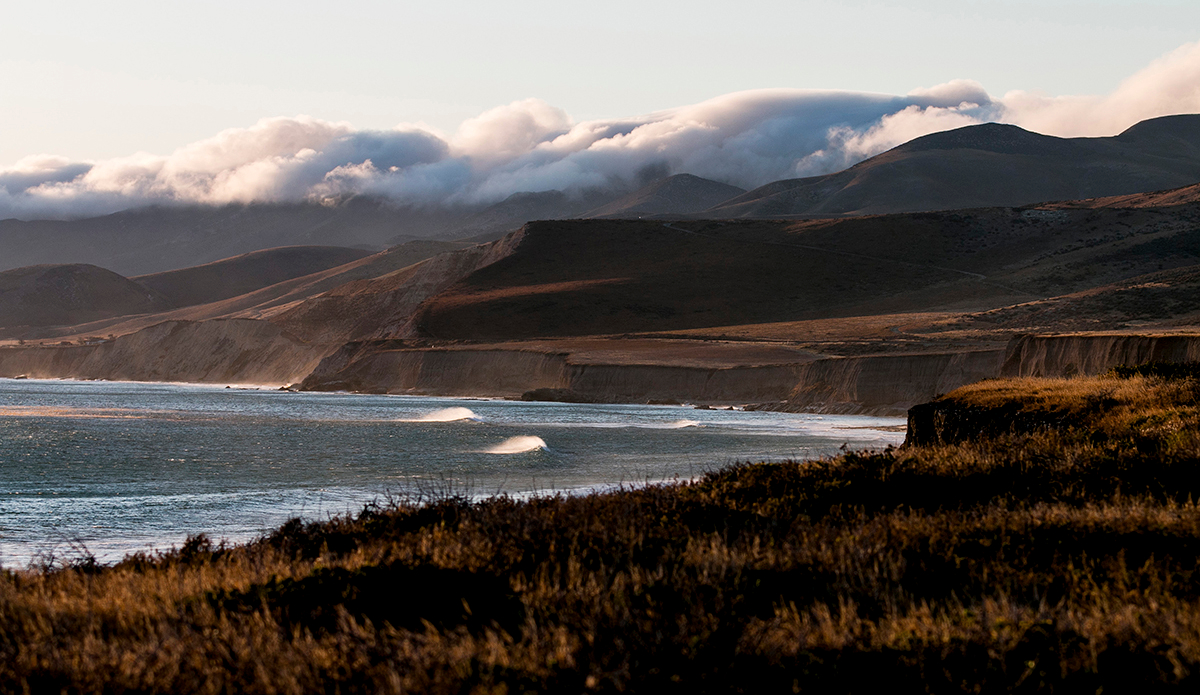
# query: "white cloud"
1168 86
745 138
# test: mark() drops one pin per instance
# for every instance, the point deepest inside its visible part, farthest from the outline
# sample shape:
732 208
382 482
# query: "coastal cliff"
887 383
1084 354
220 351
881 383
380 367
701 372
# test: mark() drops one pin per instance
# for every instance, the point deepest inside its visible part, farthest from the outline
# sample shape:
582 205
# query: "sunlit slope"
239 275
270 300
1153 199
989 165
384 305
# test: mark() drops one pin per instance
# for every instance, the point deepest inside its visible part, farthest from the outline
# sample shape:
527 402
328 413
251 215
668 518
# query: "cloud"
1168 86
39 169
746 138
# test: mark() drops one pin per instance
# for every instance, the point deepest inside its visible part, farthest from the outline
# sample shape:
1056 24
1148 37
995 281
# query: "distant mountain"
157 239
681 194
50 295
154 239
239 275
988 165
985 166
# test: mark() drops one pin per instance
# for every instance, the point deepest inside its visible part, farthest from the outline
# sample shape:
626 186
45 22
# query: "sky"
115 104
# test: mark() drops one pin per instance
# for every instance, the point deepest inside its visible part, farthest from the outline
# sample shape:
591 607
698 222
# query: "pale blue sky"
94 80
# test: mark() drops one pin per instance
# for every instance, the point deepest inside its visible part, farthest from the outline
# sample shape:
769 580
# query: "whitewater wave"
445 415
517 445
680 424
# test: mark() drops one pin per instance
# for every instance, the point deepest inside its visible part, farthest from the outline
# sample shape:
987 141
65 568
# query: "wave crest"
517 445
446 415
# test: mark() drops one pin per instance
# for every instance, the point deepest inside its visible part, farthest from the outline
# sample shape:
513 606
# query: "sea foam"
517 445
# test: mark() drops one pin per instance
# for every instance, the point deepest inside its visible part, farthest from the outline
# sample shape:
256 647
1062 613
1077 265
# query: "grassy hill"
230 277
681 194
55 295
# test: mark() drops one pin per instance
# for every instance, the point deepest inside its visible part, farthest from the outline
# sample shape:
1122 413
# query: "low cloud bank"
746 138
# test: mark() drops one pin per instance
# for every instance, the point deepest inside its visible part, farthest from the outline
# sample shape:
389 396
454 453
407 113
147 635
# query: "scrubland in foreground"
1043 537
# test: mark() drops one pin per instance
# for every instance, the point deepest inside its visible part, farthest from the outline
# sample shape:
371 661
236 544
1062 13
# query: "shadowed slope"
50 295
681 194
586 277
239 275
1169 296
989 165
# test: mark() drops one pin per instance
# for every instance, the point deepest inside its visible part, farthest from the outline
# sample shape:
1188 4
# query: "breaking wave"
517 445
446 415
680 424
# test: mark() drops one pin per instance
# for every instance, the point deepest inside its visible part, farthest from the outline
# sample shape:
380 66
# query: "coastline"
999 549
714 373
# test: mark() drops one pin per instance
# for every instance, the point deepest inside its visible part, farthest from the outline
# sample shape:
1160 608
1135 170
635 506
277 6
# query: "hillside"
1152 199
55 295
988 165
269 300
603 277
681 194
239 275
869 312
1170 297
157 239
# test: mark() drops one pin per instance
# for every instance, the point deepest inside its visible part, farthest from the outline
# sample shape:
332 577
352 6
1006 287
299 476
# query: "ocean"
110 468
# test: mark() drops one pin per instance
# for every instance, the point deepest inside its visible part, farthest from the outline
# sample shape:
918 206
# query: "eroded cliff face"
883 384
887 383
220 351
371 368
1073 355
253 351
382 367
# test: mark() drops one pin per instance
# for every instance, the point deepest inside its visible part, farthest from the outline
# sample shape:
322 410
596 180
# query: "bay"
109 468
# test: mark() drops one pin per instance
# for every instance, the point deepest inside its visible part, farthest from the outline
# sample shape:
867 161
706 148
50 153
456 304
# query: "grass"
1045 540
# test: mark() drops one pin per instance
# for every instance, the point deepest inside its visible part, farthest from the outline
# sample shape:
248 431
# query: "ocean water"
111 468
